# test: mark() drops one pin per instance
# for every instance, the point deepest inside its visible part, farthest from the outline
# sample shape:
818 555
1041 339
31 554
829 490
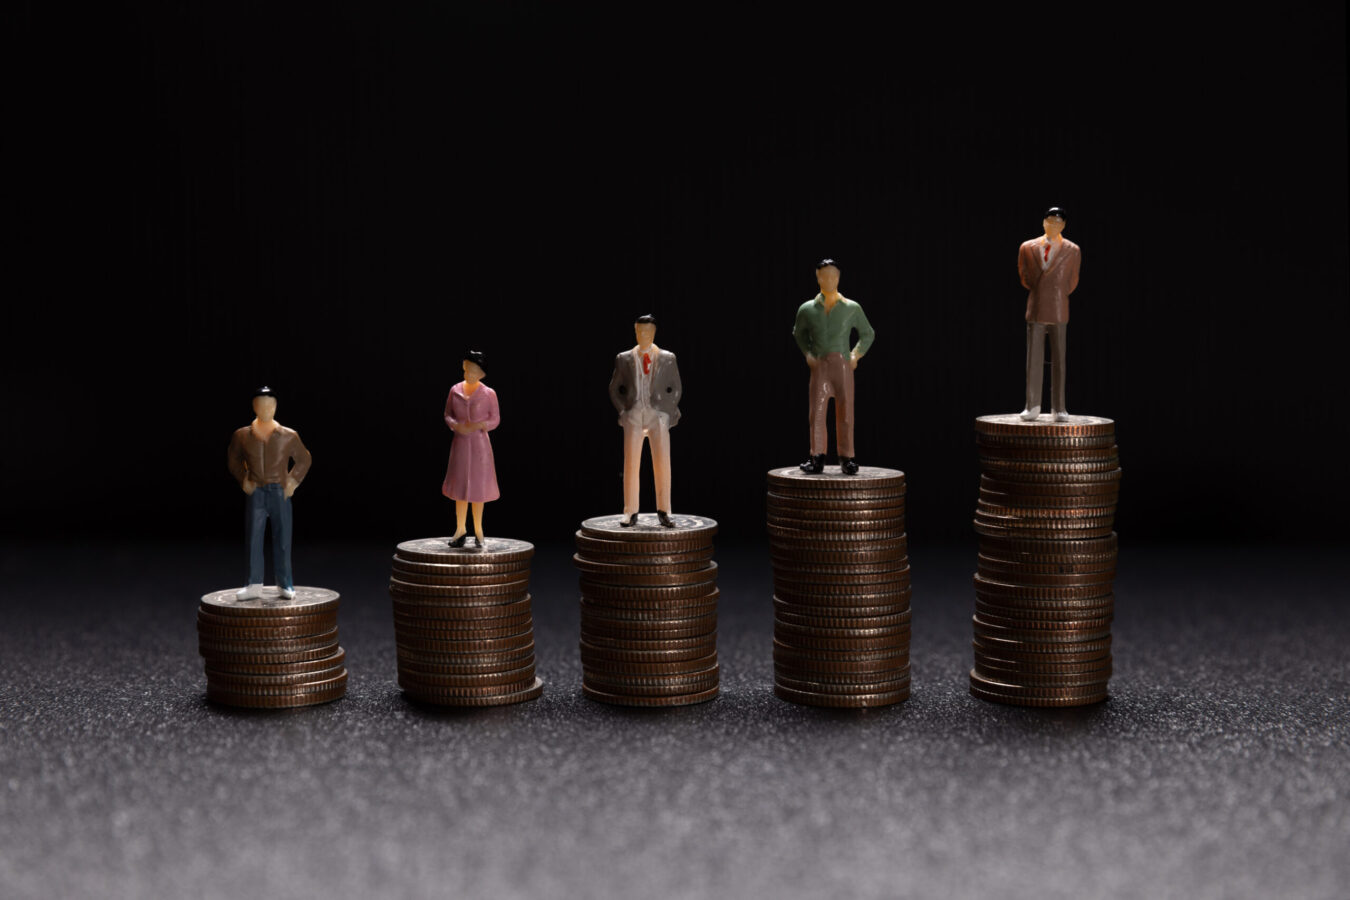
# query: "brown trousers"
1036 332
832 377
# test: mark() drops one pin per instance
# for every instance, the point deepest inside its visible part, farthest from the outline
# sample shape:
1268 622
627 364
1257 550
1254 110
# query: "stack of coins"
841 586
462 622
272 652
1043 590
648 611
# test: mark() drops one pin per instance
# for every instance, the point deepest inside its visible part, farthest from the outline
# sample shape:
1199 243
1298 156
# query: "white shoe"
1061 415
288 593
252 592
1031 413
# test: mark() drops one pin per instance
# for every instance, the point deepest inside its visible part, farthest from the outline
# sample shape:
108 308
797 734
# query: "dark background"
338 202
339 199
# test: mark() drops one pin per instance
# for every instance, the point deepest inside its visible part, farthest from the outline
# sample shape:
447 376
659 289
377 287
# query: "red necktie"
1047 252
646 364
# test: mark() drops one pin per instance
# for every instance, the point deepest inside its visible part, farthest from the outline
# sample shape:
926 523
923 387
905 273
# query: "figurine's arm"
676 384
865 337
1027 273
1073 272
617 385
801 333
494 413
300 462
236 460
453 422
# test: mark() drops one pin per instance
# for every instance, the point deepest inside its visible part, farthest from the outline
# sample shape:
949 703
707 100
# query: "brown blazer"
1048 300
268 462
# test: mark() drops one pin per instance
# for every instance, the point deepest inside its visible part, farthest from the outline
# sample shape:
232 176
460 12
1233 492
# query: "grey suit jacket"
665 384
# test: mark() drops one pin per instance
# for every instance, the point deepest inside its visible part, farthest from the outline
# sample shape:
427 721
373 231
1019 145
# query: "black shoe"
814 465
665 519
459 541
478 541
848 465
632 520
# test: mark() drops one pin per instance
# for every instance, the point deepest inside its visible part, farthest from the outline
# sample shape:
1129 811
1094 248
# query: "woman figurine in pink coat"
471 412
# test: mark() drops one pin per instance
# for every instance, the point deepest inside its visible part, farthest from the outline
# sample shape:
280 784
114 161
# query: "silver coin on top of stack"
272 652
462 622
1044 596
841 586
648 610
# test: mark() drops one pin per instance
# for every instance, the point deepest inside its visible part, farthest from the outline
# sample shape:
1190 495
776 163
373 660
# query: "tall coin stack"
648 611
1043 589
841 586
462 622
272 652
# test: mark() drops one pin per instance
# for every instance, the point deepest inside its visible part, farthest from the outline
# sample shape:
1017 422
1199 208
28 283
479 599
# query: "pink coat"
471 474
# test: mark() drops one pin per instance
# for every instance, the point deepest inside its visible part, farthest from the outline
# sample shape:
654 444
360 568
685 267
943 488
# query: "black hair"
648 319
828 262
477 357
1056 211
264 391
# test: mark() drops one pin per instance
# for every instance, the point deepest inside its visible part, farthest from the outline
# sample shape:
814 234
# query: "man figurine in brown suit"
1048 266
260 459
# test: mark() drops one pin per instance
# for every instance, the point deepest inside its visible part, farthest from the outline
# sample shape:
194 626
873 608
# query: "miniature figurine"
471 475
822 330
646 389
1048 267
260 458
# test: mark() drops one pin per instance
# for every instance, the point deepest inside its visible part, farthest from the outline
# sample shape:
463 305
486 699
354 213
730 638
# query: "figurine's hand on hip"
248 486
852 362
291 485
811 361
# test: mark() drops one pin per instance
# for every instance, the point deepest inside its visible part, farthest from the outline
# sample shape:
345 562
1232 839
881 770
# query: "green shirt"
819 333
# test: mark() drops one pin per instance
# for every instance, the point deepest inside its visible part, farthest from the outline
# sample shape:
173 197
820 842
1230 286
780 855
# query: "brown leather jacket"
1048 300
268 462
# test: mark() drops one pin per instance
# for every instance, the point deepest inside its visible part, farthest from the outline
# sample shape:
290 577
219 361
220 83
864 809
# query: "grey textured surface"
1218 769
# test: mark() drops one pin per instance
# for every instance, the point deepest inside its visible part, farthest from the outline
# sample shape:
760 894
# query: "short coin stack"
1043 589
648 611
462 622
841 586
272 652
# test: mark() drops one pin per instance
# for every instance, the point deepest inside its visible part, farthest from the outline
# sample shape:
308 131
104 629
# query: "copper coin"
486 645
1021 652
640 615
225 647
817 622
789 567
476 632
438 698
649 528
627 667
1030 623
414 571
1037 579
994 589
704 574
1041 636
445 691
1013 425
651 692
618 573
843 613
623 700
629 594
438 550
652 685
1017 477
835 504
894 682
1102 499
887 642
850 526
838 557
1105 563
790 631
591 629
461 580
270 689
307 601
464 670
433 611
593 655
1047 454
786 515
276 701
234 681
825 538
986 609
1025 679
592 546
703 643
844 701
657 605
1049 443
645 560
839 587
218 658
326 620
835 673
432 678
807 655
1050 489
333 660
1016 690
861 598
216 633
498 659
1043 512
408 589
792 477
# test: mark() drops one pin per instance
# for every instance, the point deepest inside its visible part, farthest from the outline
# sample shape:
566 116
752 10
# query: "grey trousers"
1036 333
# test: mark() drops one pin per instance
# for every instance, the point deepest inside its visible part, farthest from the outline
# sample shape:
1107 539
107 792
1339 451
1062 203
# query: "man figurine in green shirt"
823 328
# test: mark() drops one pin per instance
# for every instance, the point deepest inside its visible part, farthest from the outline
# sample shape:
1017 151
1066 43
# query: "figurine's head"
475 361
645 329
1054 222
264 403
827 275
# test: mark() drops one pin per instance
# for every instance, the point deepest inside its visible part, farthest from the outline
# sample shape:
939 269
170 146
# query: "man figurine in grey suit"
1048 266
646 391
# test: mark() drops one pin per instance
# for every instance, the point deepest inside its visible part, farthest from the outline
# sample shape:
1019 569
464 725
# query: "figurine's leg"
659 437
255 523
1035 368
819 407
478 522
280 515
461 514
1058 364
632 463
843 407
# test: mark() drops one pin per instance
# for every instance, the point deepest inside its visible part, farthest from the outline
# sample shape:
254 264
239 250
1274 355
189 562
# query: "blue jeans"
269 501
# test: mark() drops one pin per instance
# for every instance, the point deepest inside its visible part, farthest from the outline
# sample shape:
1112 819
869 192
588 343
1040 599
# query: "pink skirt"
471 474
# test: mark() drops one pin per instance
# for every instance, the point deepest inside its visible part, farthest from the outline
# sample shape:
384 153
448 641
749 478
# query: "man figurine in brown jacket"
260 459
1048 266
